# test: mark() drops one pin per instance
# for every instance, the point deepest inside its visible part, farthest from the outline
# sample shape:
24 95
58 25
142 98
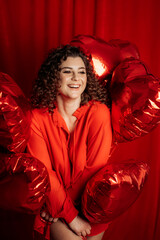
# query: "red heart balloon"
14 115
112 190
135 97
24 183
105 55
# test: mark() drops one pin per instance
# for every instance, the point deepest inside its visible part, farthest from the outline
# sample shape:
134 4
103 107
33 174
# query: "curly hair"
45 88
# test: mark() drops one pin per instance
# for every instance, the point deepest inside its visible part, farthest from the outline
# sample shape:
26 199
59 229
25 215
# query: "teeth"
74 86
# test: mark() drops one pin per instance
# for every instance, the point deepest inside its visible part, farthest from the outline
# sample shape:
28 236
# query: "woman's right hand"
80 226
47 217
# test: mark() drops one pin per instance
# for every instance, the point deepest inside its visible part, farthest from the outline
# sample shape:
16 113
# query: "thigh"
59 231
96 237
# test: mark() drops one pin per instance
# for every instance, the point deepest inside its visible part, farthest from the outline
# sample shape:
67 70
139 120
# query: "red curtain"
29 28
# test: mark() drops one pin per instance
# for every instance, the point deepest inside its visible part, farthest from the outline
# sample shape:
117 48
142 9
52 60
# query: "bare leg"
96 237
60 231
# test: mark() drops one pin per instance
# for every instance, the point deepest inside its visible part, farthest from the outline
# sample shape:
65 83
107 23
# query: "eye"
67 71
82 72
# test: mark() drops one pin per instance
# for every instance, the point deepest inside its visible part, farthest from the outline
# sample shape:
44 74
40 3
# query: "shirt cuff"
69 212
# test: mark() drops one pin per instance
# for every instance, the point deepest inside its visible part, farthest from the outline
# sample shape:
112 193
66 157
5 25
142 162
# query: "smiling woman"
46 86
71 134
72 81
72 78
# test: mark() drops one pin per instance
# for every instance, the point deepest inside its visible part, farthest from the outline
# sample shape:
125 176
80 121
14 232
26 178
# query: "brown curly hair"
45 88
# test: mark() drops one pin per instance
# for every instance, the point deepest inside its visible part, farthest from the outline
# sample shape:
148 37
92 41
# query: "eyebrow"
72 68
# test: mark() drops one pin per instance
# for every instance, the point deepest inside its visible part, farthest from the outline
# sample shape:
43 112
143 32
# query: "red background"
29 28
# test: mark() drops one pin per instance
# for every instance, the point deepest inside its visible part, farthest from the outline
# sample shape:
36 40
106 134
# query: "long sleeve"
98 145
61 204
99 138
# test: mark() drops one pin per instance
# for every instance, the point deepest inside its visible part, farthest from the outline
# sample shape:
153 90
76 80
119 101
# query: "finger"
50 219
88 231
47 217
43 214
83 233
55 220
78 233
89 227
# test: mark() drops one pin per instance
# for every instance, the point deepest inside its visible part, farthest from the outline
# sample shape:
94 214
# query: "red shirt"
71 158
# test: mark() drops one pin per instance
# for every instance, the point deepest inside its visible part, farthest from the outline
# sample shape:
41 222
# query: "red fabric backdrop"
29 28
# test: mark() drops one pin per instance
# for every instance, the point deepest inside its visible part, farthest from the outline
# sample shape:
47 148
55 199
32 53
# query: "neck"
67 106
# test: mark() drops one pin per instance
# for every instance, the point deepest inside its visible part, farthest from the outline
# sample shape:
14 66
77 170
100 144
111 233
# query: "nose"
74 76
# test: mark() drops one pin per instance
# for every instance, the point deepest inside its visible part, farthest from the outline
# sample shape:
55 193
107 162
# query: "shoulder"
99 109
99 112
39 116
39 113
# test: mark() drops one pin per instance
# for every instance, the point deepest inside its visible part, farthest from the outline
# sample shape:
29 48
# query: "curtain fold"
29 28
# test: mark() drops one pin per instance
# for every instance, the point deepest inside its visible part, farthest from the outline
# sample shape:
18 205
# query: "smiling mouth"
73 86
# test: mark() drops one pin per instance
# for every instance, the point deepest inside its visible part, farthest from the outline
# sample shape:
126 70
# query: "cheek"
61 81
85 80
65 79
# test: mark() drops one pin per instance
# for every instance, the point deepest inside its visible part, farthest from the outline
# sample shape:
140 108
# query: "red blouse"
71 158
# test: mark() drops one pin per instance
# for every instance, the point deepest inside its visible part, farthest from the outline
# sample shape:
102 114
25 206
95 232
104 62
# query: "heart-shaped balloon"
24 183
14 115
135 94
112 190
105 56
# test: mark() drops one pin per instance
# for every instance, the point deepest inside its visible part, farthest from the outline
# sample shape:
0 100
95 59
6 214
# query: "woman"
71 135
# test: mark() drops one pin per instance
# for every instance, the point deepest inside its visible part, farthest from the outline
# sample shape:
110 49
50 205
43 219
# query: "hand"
80 226
47 217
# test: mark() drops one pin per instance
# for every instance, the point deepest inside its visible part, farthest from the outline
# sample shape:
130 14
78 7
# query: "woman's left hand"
80 226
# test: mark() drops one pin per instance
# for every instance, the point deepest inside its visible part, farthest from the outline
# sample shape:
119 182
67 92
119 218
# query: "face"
73 78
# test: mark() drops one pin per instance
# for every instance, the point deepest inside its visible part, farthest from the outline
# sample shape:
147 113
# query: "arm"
99 138
60 203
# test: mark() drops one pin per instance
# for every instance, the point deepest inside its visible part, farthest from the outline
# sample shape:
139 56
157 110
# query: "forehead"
73 61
